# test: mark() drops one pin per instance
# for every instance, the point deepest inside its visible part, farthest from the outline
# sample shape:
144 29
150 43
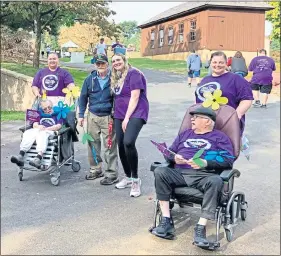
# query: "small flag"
32 115
162 147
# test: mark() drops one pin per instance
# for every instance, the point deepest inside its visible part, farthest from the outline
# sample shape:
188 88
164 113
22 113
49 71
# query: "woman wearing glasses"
131 109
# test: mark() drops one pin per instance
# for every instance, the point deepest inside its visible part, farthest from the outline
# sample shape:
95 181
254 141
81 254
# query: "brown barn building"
206 27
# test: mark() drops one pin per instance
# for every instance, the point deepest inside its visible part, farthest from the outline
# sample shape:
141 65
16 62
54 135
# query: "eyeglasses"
47 108
197 116
100 64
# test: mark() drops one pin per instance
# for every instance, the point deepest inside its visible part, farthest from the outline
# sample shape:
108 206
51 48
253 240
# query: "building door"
216 33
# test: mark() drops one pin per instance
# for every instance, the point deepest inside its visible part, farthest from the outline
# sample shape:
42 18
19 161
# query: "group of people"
262 67
101 47
117 98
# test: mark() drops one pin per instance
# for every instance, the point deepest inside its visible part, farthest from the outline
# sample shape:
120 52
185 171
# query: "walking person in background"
238 65
42 54
194 64
262 67
97 92
48 50
101 48
131 109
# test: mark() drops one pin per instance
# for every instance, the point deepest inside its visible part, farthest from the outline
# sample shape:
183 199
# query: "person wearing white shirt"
101 48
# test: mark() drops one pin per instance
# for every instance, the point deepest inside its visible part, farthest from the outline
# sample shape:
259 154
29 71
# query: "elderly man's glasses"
47 108
198 116
99 64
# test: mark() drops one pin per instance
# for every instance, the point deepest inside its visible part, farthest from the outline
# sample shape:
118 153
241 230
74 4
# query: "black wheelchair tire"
76 166
243 214
229 235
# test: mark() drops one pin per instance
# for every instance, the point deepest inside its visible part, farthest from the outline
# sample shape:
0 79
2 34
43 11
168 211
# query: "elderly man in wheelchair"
40 133
209 183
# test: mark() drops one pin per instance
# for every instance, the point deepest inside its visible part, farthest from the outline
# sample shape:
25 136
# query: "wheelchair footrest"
168 236
211 246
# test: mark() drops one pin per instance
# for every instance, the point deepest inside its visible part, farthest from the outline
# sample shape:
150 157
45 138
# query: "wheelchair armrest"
228 174
62 130
154 165
24 128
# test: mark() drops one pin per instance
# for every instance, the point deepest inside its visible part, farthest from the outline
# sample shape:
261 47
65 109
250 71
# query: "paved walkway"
83 218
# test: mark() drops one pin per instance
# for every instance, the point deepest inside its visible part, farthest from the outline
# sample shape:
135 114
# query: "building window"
192 30
152 38
170 35
181 30
161 37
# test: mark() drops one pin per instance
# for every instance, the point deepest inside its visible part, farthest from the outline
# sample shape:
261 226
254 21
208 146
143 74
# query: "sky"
143 11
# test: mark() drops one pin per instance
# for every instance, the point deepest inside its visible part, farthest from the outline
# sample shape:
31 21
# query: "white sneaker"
136 188
124 183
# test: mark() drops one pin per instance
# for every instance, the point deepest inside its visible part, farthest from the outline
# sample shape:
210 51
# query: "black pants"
167 179
127 145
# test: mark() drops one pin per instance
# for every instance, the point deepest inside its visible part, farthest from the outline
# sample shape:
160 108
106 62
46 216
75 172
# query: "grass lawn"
12 115
28 70
176 66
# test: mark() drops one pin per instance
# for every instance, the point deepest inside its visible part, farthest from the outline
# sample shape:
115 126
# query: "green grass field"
12 115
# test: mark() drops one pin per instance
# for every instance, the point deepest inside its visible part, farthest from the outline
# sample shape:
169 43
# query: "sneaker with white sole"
136 188
124 183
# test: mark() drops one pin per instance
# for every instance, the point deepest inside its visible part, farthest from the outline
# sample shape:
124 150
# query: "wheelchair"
231 204
59 153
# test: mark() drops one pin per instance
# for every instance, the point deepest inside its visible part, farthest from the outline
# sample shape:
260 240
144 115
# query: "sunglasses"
47 108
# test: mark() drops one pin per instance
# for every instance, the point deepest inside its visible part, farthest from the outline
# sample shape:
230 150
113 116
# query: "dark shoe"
164 229
263 106
109 180
200 236
36 162
17 160
257 103
94 175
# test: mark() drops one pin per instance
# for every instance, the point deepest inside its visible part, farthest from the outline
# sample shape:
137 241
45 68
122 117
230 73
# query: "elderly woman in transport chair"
234 87
40 133
131 109
187 173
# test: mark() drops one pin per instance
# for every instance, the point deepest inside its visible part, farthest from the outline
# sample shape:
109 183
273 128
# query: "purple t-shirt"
50 121
233 87
262 67
52 81
188 143
134 80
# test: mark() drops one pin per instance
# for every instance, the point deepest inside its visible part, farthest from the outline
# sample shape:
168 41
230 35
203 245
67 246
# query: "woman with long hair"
131 109
234 87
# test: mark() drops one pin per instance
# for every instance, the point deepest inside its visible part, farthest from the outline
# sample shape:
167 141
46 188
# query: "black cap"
100 58
204 112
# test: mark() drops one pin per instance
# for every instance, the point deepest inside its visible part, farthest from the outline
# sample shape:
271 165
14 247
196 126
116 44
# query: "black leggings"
126 143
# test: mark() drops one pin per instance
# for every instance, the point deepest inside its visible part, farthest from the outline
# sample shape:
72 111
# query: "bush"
16 46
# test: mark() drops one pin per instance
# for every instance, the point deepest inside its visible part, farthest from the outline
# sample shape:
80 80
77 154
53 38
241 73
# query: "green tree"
274 17
49 16
128 28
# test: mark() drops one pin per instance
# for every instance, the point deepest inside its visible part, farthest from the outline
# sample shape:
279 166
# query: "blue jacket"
194 62
100 100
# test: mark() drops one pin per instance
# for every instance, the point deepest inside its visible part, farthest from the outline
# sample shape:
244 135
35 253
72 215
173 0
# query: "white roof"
69 44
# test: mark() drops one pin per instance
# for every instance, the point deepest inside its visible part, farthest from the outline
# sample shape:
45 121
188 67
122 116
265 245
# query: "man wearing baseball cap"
186 173
97 94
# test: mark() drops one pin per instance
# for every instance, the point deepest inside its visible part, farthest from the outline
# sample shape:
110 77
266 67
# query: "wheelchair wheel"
20 175
76 166
243 214
229 235
55 181
157 214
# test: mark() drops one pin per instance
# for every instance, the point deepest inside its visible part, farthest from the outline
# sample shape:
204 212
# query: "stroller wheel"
55 181
20 174
76 166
